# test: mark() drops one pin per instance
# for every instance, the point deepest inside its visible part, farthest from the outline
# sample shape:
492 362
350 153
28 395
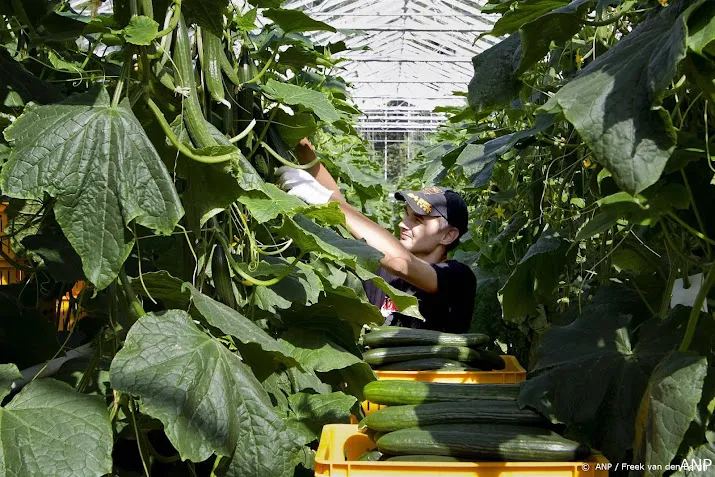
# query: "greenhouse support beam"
410 59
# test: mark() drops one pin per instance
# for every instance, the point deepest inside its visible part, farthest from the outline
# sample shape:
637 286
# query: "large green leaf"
555 27
8 374
477 160
643 209
310 412
233 323
294 128
591 376
311 99
668 407
50 430
701 28
614 101
207 399
310 237
141 30
165 287
295 20
98 163
535 278
495 82
316 351
271 202
524 12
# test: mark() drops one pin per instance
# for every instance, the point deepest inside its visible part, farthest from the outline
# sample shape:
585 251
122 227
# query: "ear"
450 236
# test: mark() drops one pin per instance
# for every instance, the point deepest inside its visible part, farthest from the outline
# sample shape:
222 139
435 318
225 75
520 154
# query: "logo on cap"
424 205
432 190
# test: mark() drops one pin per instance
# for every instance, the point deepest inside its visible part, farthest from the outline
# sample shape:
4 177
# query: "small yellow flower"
588 164
663 3
579 60
499 211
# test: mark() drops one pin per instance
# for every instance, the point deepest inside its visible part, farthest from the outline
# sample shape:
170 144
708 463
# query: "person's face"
422 233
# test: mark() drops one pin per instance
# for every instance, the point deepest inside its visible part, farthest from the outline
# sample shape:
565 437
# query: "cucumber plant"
219 315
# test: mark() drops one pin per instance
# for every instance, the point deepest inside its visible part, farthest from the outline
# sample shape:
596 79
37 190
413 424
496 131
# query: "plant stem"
174 20
690 229
132 414
243 133
180 146
264 131
697 306
129 294
280 159
254 281
695 207
122 78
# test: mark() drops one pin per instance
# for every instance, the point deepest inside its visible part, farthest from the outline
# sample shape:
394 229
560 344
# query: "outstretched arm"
397 259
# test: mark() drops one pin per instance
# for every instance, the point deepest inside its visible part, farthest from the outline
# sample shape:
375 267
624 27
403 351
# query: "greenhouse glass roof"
417 53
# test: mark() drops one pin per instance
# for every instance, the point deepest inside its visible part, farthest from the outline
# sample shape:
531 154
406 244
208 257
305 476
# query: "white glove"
302 184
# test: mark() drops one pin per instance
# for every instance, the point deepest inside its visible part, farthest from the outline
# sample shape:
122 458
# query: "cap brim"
402 196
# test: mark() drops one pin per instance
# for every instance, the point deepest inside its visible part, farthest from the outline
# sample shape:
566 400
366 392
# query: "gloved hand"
302 184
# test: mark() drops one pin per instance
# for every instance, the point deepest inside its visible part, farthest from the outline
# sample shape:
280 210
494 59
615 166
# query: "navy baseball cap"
436 202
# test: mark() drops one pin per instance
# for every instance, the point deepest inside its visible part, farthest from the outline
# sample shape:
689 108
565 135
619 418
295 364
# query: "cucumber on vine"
211 51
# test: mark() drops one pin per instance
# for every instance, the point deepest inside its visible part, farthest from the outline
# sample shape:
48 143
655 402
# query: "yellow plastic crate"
9 274
512 373
341 444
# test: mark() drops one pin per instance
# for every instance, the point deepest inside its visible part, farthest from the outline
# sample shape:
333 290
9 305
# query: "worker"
434 220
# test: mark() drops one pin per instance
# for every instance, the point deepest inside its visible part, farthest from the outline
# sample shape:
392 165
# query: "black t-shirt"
449 309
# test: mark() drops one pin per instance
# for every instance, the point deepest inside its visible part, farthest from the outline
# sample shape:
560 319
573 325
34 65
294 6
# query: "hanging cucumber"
194 119
228 70
245 97
210 57
222 277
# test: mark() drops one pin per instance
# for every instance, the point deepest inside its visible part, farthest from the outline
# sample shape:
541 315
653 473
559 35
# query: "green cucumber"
380 356
394 392
424 364
222 277
194 119
394 418
370 456
228 69
396 336
499 442
245 96
211 51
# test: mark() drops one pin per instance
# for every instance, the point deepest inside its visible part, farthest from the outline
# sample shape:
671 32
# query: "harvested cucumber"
380 356
393 392
424 364
394 418
500 442
371 455
386 336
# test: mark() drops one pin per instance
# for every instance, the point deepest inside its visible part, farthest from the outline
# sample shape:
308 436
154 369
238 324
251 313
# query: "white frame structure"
419 52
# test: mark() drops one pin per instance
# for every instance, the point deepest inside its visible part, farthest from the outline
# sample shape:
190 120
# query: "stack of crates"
341 444
8 273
